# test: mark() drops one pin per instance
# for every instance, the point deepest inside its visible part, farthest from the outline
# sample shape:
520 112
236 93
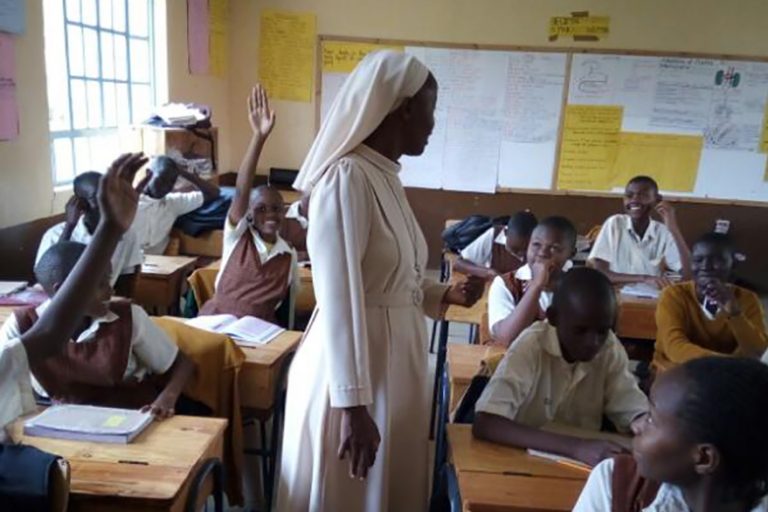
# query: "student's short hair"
57 263
720 241
522 223
563 225
726 405
583 284
162 163
86 179
645 180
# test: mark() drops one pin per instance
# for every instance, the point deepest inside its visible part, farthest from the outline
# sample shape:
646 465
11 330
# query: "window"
99 57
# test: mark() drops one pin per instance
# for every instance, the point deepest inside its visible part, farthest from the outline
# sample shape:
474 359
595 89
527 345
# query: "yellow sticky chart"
579 26
342 57
588 149
286 54
114 421
764 134
673 160
219 27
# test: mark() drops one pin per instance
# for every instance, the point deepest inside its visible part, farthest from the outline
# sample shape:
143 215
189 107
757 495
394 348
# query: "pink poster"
198 29
9 108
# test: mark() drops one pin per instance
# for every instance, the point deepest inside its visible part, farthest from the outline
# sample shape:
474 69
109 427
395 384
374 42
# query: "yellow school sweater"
684 332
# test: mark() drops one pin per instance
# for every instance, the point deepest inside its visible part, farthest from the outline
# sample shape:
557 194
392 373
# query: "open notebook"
247 330
9 287
624 441
88 423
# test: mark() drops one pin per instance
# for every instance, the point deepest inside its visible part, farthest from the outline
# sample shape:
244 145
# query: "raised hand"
667 213
260 115
144 181
117 198
73 210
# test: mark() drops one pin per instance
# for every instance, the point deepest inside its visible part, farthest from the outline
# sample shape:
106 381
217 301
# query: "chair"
270 446
210 468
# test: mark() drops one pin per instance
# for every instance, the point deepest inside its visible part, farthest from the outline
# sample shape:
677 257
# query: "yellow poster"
672 160
579 26
764 132
588 149
219 29
286 54
342 57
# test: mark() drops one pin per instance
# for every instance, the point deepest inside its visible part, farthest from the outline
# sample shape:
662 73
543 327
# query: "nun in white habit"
357 413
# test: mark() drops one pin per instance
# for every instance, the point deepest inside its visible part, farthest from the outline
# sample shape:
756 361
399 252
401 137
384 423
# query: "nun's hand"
260 115
359 440
465 293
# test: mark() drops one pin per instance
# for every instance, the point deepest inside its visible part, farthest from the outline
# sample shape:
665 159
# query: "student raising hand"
117 198
260 115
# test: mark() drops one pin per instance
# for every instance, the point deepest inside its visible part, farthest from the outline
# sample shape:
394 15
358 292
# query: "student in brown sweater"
709 315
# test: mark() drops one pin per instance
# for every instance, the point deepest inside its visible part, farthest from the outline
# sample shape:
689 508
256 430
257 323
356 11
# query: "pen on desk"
137 462
575 465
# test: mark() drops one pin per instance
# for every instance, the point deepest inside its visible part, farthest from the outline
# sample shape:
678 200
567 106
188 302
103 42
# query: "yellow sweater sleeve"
749 327
671 337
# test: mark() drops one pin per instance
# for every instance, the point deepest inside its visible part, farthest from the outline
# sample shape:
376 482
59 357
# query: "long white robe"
367 345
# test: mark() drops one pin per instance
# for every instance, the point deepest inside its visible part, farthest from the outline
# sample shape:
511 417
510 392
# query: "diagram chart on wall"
496 121
696 125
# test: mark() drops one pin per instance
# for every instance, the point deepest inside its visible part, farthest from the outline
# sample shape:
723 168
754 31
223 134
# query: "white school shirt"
534 385
627 253
232 235
151 349
16 397
293 213
597 494
127 253
480 250
155 218
501 302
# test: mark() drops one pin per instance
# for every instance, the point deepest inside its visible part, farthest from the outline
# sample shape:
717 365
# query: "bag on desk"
31 479
463 233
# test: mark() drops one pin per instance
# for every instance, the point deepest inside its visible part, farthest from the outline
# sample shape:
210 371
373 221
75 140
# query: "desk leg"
442 349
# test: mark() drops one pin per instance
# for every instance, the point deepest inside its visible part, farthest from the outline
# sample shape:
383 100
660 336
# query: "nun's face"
420 118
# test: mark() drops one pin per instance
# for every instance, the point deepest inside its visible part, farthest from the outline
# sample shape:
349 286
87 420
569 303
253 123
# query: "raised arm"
525 312
669 217
210 191
262 120
118 201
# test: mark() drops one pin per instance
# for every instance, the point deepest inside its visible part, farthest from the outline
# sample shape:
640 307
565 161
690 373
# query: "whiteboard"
722 101
496 121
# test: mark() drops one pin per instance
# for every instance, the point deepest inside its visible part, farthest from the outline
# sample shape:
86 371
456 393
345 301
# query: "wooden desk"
463 364
159 286
484 492
637 318
152 473
261 370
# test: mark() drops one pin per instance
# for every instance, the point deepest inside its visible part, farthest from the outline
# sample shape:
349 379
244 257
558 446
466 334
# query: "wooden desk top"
165 265
464 360
470 454
269 354
154 467
485 492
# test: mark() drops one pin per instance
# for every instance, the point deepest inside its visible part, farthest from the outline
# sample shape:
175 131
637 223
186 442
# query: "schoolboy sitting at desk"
82 216
701 447
295 225
632 247
159 206
517 299
571 370
118 356
499 250
709 315
48 336
258 267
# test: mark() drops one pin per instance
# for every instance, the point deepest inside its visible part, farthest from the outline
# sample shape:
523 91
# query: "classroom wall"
25 163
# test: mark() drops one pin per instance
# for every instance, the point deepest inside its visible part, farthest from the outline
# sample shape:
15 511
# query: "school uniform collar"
650 234
294 213
378 159
525 273
670 499
92 328
501 238
279 247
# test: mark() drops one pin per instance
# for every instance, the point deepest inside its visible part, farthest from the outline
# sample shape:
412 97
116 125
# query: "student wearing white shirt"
47 337
632 247
701 447
501 249
519 298
572 370
295 225
82 218
159 206
258 268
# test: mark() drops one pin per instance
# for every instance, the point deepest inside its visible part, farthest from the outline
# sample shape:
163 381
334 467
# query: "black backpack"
463 233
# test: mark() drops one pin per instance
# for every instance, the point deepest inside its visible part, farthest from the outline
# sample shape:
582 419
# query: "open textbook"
88 423
247 330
